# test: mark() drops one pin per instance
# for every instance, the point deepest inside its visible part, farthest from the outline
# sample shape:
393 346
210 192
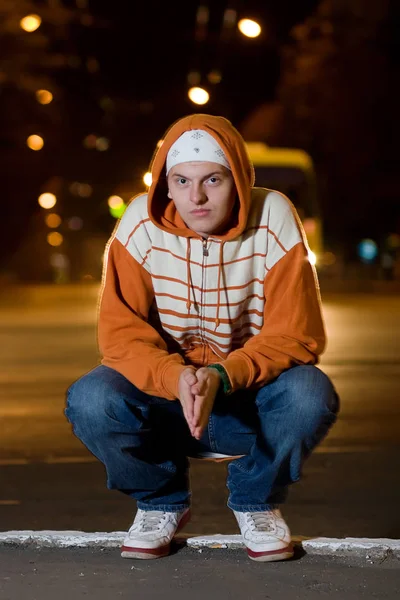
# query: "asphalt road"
350 486
87 573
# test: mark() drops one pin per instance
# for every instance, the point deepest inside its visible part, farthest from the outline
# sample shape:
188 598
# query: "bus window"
289 181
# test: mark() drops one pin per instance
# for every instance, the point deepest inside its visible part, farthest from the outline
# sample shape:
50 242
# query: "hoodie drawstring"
220 261
188 301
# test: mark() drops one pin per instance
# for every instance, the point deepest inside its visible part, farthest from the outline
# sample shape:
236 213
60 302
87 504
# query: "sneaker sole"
149 553
271 555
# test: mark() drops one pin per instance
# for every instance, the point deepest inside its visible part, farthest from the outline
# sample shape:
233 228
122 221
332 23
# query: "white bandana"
196 145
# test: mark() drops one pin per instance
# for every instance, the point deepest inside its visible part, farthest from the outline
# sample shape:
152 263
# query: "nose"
197 194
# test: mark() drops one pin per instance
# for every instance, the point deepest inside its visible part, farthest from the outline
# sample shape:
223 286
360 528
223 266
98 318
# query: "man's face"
204 194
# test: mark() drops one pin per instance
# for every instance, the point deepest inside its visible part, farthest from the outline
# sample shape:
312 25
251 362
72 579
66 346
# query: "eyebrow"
205 177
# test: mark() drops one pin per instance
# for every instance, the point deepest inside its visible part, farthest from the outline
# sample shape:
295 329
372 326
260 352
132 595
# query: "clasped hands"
197 391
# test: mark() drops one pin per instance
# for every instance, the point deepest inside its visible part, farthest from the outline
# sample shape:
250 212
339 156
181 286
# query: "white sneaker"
151 533
265 534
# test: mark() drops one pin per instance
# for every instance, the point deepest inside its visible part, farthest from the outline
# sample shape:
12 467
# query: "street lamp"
198 95
30 23
249 28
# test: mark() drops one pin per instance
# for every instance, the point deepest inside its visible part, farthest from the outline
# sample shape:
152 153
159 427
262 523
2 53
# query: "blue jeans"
144 441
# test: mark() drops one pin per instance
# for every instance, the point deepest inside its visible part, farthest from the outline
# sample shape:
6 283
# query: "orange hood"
162 210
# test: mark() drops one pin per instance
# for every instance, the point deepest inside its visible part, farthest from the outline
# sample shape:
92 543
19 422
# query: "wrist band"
224 377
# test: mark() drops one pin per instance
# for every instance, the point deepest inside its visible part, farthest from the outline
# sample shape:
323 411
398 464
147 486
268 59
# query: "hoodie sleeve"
293 330
127 342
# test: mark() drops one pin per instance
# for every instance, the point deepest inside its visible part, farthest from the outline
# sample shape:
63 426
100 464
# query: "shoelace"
261 521
150 520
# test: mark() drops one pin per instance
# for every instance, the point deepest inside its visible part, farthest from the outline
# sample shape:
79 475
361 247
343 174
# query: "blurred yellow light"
102 144
115 201
44 96
53 220
249 28
35 142
328 259
312 257
147 179
193 78
214 76
198 95
47 200
30 23
54 238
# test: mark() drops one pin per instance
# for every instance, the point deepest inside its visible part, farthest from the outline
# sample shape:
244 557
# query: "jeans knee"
315 399
85 401
93 398
305 394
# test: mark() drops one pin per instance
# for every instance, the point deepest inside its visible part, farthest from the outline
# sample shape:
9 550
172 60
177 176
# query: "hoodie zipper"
203 284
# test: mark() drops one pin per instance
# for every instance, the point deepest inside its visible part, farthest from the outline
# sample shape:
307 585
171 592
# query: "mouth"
202 212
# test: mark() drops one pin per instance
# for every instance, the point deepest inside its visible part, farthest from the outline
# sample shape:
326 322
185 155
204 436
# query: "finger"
198 432
198 409
187 405
190 377
199 388
190 412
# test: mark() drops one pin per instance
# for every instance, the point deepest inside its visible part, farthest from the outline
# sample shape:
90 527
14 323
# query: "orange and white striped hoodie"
247 299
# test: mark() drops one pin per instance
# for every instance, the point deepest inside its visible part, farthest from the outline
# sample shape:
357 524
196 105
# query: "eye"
181 180
214 179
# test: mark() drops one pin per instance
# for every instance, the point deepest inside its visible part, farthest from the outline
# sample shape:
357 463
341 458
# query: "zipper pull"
205 249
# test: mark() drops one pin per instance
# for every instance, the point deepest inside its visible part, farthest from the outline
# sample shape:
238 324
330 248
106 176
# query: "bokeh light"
44 96
198 95
393 240
115 201
84 190
249 28
35 142
214 76
117 206
54 238
30 23
47 200
312 257
147 178
59 261
102 144
53 220
118 211
193 78
75 223
328 259
367 250
90 141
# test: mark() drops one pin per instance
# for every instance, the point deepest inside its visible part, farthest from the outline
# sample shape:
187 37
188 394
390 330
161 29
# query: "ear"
169 195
